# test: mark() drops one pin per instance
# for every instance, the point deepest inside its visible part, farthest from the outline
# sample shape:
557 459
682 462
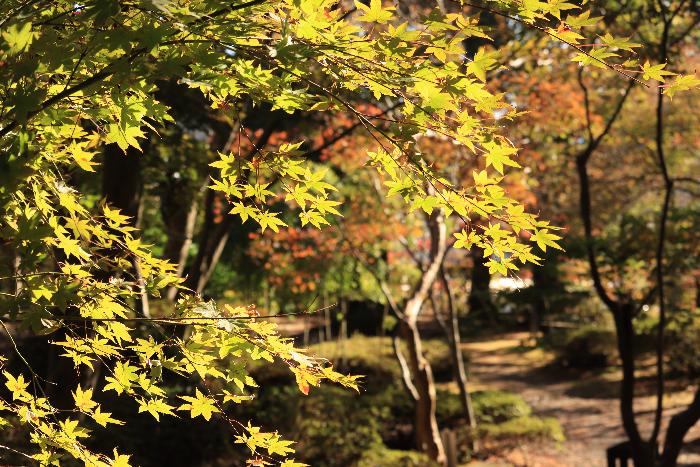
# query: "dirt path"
585 404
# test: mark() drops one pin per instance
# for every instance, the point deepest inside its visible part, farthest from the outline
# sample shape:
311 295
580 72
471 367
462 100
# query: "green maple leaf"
482 62
374 13
155 407
497 155
682 83
18 37
656 72
619 43
124 136
199 405
544 239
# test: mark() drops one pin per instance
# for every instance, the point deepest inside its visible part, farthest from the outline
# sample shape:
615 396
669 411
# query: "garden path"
585 403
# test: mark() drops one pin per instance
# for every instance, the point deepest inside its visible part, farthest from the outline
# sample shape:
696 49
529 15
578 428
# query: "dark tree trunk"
122 188
122 184
179 207
678 427
643 453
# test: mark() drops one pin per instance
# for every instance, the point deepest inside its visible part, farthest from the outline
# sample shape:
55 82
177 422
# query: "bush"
374 357
683 333
586 347
490 406
333 429
527 427
499 406
381 456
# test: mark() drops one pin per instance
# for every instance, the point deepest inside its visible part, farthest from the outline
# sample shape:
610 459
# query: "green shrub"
373 356
449 408
586 347
335 430
527 427
381 456
499 406
683 332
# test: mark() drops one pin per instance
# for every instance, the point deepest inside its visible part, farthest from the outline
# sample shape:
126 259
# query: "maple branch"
570 44
105 73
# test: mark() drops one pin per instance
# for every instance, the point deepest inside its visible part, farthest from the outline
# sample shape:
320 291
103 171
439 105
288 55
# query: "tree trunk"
426 431
678 427
212 240
459 368
643 453
122 185
122 188
179 216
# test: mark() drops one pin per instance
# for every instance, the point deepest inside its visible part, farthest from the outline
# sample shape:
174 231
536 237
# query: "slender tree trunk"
459 368
426 431
416 372
212 240
179 216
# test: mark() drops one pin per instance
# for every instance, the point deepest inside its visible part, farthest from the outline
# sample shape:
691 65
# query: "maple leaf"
19 37
17 386
155 407
83 399
544 239
497 155
199 405
120 460
681 83
124 136
103 418
656 72
374 13
482 62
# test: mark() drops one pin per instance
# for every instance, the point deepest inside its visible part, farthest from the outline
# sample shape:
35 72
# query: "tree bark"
122 184
678 427
179 216
212 240
426 431
122 188
643 452
459 368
